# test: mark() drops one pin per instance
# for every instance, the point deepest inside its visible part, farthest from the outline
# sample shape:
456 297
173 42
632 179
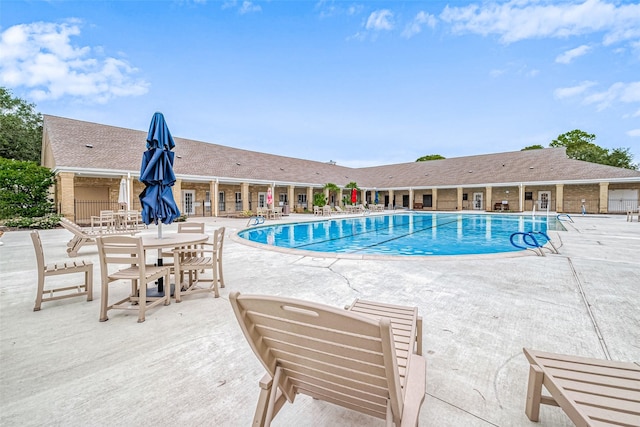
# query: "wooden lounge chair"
83 237
342 357
339 210
592 392
46 270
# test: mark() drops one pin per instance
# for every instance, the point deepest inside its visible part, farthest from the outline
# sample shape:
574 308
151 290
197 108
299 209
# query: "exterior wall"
510 194
447 199
575 194
528 204
70 188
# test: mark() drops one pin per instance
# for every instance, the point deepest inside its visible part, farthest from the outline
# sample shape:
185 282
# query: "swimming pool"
407 234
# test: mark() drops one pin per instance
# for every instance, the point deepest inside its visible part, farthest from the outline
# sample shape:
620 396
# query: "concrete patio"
189 364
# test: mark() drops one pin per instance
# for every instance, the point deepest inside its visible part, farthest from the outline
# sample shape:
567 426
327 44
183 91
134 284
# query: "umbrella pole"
160 280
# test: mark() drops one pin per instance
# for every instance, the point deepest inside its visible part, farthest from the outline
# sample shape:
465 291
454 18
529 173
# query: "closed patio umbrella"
354 195
156 172
123 193
269 197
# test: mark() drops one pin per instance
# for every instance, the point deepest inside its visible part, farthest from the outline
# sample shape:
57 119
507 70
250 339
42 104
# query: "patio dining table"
171 240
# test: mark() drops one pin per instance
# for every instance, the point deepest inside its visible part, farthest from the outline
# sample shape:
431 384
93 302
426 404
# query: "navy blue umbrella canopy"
157 175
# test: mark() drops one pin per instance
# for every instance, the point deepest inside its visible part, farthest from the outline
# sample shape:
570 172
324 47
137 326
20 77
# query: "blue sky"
361 83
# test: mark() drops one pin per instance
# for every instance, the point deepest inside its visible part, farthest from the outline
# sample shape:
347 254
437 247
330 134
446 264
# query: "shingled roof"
74 145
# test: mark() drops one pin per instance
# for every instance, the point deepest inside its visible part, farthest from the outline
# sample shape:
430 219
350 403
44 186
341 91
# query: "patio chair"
119 250
106 221
338 356
46 270
590 391
207 256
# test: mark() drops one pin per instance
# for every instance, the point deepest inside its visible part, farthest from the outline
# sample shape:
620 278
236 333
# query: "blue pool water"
410 233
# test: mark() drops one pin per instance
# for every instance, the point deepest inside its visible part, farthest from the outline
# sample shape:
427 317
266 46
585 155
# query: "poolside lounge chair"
46 270
83 237
592 392
342 357
339 210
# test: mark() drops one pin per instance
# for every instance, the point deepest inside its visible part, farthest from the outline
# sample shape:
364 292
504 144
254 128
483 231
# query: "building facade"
90 160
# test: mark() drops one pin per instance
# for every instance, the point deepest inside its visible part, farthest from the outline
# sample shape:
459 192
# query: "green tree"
24 189
347 199
532 147
20 128
319 199
430 157
580 146
333 189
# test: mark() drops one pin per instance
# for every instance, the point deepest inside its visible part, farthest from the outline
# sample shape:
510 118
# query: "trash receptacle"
285 210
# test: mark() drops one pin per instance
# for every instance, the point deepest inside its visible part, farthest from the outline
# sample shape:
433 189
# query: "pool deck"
189 364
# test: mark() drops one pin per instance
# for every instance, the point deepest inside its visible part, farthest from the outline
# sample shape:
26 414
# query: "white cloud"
634 132
618 92
421 19
380 20
41 57
526 19
568 56
567 92
248 7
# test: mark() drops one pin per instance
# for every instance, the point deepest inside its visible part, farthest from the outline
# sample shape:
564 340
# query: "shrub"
42 223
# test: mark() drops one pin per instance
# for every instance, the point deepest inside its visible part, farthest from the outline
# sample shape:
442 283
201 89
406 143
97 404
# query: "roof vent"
88 145
530 167
179 156
470 171
238 163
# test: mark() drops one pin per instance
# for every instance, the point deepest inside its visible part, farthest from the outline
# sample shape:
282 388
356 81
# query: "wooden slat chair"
183 227
330 354
592 392
46 270
106 221
115 251
206 256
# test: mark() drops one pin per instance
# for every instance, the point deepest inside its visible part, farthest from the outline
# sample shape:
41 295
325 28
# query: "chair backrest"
324 352
120 250
191 227
37 245
218 241
107 214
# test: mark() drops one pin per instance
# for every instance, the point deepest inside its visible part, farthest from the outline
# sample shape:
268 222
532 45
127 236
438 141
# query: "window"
528 195
238 201
465 196
221 206
283 199
302 199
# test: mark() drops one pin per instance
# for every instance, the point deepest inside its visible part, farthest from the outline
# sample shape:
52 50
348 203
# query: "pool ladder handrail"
533 244
255 220
564 217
